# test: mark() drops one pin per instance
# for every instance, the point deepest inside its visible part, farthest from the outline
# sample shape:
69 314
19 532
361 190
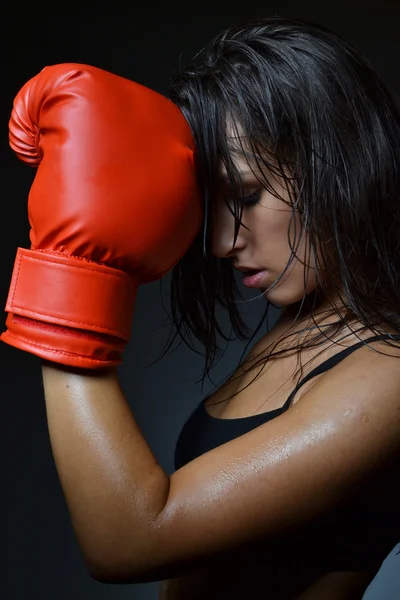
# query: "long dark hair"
313 110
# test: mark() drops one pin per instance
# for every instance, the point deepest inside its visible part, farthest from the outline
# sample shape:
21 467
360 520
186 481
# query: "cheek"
270 226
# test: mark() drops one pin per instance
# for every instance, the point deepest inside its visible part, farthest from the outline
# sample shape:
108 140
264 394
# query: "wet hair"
314 112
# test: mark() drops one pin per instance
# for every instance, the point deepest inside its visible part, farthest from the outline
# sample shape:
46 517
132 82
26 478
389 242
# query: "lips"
254 278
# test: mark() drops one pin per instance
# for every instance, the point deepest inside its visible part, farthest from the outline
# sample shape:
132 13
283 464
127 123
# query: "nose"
223 233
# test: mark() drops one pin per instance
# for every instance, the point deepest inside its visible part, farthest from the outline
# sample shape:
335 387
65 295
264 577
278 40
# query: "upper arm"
287 471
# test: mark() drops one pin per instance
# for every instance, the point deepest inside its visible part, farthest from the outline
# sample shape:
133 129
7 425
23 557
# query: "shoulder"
376 364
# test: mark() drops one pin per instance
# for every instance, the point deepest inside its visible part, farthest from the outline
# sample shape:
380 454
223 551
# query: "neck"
314 304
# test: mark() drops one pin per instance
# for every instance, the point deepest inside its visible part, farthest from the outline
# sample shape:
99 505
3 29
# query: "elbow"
124 560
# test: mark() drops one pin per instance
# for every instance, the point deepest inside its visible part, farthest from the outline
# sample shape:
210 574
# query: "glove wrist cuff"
71 298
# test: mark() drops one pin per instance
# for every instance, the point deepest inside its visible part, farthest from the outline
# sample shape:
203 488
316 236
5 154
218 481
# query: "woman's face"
264 245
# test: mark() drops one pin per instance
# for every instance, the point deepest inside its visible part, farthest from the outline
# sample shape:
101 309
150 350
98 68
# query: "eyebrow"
223 177
241 152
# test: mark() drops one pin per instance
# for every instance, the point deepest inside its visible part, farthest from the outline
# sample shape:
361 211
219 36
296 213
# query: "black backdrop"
43 560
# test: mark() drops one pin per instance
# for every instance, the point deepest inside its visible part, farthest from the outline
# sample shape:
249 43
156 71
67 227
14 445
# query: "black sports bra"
203 432
356 536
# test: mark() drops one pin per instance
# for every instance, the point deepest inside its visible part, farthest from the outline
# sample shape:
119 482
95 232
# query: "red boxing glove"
114 204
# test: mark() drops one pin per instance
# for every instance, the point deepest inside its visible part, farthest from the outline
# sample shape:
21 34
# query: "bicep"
287 471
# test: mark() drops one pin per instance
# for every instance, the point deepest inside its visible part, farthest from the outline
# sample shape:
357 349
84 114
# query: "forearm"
113 485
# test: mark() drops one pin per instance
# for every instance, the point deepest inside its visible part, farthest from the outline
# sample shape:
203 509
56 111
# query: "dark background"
43 558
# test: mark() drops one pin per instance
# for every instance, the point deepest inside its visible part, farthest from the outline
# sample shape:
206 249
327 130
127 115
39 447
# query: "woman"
298 145
281 490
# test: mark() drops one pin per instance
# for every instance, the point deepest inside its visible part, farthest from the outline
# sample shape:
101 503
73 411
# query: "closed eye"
252 199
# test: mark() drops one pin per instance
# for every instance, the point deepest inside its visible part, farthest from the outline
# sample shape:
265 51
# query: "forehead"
246 165
239 153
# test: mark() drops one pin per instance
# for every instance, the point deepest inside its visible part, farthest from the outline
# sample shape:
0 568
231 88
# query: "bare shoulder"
376 364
